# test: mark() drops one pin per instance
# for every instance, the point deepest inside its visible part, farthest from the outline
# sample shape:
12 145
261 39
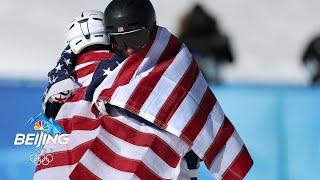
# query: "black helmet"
128 15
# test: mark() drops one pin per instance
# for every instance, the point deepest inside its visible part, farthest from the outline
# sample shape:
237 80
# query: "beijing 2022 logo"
47 131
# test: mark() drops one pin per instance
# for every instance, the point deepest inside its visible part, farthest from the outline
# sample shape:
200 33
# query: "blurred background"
261 58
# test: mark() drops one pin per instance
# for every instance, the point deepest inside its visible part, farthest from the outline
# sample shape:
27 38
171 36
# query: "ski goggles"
135 39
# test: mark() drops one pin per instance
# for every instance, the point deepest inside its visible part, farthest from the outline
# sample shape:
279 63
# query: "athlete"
139 138
88 48
311 59
87 44
152 55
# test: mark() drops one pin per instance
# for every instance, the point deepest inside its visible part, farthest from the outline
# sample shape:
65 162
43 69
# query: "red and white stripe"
86 65
125 71
162 84
152 149
123 139
92 167
172 94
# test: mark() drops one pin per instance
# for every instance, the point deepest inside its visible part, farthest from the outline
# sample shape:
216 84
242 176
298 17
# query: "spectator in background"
211 47
311 59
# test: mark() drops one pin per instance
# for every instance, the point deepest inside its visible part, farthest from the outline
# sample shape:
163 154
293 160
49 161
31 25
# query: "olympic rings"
43 159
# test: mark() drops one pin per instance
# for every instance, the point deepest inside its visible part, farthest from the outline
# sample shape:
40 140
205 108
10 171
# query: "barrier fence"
279 124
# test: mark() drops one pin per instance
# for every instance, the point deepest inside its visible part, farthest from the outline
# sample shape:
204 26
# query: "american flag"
76 73
60 78
161 108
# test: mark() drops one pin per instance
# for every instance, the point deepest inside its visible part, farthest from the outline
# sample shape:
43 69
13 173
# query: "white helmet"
86 30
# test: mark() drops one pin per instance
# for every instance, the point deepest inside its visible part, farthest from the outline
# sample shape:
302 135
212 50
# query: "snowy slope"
268 35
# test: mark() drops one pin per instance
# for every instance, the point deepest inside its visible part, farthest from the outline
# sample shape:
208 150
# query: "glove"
101 107
61 97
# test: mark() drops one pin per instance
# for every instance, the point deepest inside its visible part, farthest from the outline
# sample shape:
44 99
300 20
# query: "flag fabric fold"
163 85
161 109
